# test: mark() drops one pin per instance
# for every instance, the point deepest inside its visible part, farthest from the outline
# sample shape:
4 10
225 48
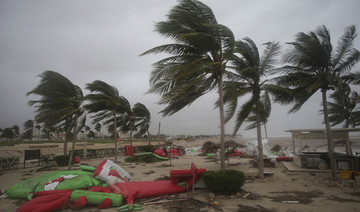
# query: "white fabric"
51 185
104 174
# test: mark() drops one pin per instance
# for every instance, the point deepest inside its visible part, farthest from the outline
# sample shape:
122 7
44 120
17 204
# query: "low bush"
148 158
48 159
62 160
228 182
147 148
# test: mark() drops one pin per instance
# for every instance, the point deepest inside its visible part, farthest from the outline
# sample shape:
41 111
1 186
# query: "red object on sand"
160 152
77 159
284 159
79 203
128 151
236 153
181 181
47 201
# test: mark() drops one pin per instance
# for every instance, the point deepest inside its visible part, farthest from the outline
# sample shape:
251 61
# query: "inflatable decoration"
105 186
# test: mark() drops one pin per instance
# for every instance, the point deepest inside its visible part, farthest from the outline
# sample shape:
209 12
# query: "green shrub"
62 160
148 158
147 148
228 182
48 159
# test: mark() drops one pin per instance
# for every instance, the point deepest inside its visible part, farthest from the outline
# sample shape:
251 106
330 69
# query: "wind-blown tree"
48 133
8 133
16 131
265 111
28 129
38 131
249 77
60 104
343 108
106 104
313 65
98 128
199 54
136 119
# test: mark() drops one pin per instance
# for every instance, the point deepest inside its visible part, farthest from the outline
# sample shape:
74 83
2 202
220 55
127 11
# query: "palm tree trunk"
222 125
259 140
131 129
266 135
115 137
328 134
66 136
65 144
73 142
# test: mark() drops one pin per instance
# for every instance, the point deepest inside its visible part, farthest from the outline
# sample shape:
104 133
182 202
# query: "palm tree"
343 108
16 131
197 61
38 131
60 104
106 103
135 119
312 65
98 128
250 78
265 111
28 129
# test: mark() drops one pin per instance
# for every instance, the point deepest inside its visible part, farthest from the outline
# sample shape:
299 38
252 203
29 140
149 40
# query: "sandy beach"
283 190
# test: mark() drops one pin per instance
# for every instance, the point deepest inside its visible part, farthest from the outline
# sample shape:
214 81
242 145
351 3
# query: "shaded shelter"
338 134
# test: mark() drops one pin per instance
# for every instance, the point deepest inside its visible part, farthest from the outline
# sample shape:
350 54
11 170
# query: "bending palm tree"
106 103
199 55
250 70
343 109
135 119
59 105
312 65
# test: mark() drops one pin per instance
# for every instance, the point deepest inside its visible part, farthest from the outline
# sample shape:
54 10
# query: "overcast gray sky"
87 40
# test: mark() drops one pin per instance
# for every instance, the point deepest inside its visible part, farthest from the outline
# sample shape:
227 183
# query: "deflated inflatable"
104 186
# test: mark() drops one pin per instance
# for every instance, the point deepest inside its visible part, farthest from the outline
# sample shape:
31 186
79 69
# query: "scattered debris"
257 208
340 199
290 202
301 197
191 204
149 172
146 158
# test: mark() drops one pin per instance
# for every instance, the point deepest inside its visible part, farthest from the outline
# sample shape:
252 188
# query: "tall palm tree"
265 111
28 129
312 65
60 104
343 108
199 53
135 119
98 128
106 103
16 129
249 77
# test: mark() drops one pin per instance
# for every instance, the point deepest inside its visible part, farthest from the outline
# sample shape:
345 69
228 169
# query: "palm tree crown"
106 103
249 77
344 108
135 119
60 104
197 60
313 65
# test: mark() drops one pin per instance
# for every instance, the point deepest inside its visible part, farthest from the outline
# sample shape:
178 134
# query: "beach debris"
302 197
257 208
290 202
102 186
